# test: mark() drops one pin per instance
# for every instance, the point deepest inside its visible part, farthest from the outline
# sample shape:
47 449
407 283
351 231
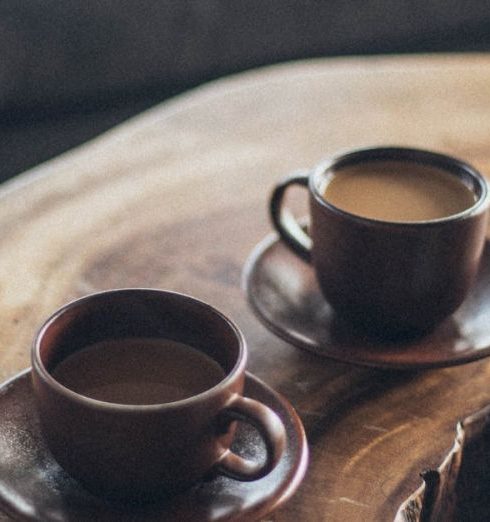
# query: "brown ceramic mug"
146 451
389 277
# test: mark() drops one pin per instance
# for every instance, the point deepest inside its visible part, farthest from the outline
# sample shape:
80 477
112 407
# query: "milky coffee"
397 191
138 371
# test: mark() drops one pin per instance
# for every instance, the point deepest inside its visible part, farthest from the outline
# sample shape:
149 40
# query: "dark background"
70 70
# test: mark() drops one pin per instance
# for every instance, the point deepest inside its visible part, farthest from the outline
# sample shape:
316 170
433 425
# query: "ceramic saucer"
33 487
283 293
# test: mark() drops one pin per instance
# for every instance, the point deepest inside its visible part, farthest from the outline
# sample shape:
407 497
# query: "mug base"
379 332
128 498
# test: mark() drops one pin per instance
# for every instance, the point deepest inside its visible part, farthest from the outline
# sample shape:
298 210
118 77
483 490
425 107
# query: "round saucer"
33 487
283 293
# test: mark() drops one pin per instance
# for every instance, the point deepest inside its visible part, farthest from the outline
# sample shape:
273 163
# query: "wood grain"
176 198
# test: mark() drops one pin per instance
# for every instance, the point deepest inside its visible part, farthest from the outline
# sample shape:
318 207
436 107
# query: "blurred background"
69 70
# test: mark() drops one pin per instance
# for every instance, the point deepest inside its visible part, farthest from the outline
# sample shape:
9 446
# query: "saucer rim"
289 485
250 267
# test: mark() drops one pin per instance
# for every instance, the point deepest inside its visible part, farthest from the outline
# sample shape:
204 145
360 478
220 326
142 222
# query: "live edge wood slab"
176 198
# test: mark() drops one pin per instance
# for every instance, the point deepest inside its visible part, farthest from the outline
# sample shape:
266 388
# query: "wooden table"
176 199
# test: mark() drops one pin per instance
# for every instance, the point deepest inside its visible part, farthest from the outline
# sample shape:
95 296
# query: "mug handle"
270 428
284 222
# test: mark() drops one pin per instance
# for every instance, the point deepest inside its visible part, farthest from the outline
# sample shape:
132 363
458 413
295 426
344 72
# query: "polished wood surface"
177 199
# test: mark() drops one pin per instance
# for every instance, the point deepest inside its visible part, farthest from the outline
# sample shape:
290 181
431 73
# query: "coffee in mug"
397 191
395 236
139 392
138 371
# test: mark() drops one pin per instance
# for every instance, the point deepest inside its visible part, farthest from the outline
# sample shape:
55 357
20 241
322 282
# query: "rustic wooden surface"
176 199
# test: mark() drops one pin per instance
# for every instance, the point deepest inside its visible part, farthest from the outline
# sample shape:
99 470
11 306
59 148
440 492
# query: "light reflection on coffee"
397 191
138 371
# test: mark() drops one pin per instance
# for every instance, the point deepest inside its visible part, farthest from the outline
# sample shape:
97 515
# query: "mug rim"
408 154
233 374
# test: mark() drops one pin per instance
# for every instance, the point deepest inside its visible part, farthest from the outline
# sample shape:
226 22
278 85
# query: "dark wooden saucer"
34 488
283 293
